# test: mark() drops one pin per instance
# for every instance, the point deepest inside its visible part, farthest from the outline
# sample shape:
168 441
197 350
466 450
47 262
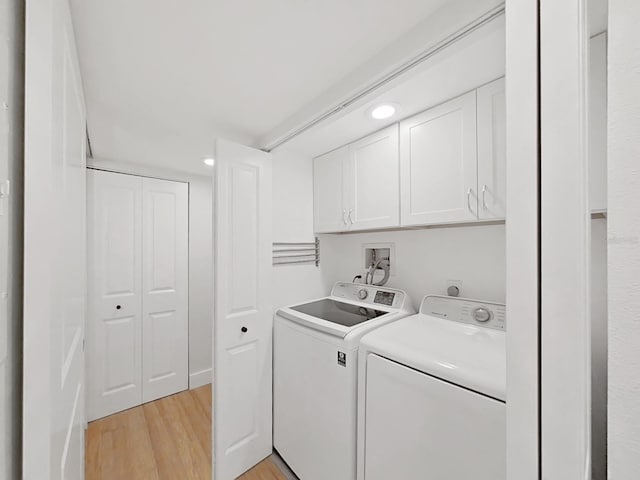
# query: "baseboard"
199 379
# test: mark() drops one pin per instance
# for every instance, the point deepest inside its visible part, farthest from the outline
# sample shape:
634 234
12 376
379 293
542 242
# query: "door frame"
522 239
565 334
623 225
548 340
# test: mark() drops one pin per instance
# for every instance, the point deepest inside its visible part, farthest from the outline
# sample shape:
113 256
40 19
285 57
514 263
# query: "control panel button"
363 293
481 315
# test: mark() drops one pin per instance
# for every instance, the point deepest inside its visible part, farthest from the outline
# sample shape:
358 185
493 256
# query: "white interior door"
114 325
242 314
438 164
54 247
138 291
165 286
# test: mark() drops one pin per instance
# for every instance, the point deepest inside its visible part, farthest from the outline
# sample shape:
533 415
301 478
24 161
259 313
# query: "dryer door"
418 426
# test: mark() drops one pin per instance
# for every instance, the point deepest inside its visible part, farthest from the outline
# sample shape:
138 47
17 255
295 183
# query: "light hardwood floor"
166 439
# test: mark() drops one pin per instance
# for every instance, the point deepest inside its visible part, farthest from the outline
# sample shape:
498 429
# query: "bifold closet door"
138 291
114 327
165 341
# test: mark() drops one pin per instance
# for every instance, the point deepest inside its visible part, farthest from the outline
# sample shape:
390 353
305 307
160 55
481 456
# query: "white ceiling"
472 61
164 78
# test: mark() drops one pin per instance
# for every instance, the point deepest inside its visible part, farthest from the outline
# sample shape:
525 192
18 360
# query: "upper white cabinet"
492 151
330 173
445 165
373 188
438 161
598 123
356 187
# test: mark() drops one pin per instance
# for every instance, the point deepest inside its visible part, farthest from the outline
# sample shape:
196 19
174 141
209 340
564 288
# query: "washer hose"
383 263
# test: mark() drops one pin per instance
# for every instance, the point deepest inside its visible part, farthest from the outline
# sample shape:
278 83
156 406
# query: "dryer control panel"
370 294
464 310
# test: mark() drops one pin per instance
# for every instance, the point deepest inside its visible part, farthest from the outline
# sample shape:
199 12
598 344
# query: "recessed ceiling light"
383 111
209 162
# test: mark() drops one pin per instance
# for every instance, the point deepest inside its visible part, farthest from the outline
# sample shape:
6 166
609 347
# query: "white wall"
624 238
451 17
200 281
425 259
11 161
200 259
293 222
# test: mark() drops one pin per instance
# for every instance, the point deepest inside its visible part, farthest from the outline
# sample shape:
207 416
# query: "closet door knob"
118 307
244 329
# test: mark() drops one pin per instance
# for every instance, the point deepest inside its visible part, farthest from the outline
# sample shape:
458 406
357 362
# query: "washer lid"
467 355
342 313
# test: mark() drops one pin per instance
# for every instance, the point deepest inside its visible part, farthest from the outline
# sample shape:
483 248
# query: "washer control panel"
464 310
370 294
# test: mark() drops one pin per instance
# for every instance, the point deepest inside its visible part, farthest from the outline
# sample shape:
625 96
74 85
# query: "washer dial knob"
481 315
363 293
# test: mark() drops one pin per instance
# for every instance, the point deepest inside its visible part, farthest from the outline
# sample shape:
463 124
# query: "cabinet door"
438 165
374 184
492 151
598 123
329 203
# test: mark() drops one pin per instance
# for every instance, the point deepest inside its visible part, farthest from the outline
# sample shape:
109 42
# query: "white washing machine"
432 393
315 373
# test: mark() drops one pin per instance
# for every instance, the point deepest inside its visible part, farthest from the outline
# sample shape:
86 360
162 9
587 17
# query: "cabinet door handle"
344 216
469 200
484 202
350 212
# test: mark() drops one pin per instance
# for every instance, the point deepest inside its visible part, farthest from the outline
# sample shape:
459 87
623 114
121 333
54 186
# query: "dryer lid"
467 355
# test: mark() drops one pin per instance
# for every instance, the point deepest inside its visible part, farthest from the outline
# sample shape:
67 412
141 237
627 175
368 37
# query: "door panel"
54 247
374 184
165 339
492 151
243 313
120 349
329 183
115 298
438 164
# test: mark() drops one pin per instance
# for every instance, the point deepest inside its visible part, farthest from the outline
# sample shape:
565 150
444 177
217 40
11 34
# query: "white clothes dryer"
432 394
